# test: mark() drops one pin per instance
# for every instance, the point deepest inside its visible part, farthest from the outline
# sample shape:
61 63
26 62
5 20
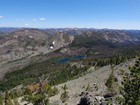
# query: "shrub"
16 101
7 99
89 88
51 91
1 100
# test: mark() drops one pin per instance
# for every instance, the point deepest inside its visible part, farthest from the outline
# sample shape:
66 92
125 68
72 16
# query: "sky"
112 14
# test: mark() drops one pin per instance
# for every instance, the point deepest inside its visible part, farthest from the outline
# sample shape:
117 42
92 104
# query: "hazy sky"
119 14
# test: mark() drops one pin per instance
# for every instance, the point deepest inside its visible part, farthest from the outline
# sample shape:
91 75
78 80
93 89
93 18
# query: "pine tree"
111 82
64 95
131 86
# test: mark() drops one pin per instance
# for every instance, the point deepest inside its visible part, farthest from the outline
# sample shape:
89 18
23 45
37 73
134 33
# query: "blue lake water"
66 60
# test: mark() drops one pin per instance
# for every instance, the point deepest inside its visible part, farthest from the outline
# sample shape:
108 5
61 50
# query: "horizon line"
69 28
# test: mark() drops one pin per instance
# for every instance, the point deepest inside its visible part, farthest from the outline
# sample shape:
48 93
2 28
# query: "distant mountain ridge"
16 43
8 29
29 42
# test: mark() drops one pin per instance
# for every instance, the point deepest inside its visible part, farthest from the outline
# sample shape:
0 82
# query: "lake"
69 59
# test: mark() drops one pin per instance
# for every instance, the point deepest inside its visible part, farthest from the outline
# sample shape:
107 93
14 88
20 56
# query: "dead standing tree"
43 80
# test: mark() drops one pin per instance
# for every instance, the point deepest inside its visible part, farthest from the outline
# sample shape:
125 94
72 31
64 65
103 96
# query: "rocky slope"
92 84
30 42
